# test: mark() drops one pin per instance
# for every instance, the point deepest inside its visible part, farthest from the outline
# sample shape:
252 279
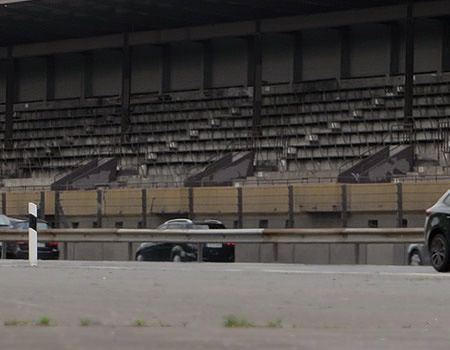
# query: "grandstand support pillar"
345 52
10 100
409 73
445 46
144 208
165 68
42 206
297 58
400 205
207 58
255 79
191 203
239 208
50 78
291 222
86 83
344 213
126 85
394 49
99 208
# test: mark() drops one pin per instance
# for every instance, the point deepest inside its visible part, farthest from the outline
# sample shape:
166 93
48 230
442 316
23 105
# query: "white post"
32 234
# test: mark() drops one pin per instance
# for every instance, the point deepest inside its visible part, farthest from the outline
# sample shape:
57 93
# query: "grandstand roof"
26 21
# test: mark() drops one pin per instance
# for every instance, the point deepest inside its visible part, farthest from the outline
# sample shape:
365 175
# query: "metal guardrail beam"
309 236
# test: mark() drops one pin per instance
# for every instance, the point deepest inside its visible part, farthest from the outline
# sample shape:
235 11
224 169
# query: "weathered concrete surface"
339 307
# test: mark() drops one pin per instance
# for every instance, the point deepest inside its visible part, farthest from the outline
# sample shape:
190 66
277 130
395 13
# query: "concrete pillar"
50 78
126 85
99 208
239 208
207 60
345 63
165 68
86 86
409 71
11 95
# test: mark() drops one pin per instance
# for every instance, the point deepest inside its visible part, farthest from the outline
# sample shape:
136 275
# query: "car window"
446 201
4 221
176 225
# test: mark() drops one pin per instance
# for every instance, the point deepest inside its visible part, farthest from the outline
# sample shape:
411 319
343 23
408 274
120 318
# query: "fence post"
399 205
57 206
99 208
239 208
144 208
42 206
344 213
291 222
191 202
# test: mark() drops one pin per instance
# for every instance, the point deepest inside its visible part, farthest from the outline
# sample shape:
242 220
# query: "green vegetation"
140 323
17 323
84 322
275 324
232 321
44 321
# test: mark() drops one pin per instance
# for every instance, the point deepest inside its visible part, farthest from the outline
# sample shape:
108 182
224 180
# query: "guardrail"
306 235
287 236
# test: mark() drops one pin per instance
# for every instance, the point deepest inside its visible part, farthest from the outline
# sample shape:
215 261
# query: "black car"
437 233
223 252
19 250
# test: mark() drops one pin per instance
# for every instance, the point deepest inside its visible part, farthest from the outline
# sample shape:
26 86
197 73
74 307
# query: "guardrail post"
399 205
344 213
291 222
42 205
99 208
191 202
239 208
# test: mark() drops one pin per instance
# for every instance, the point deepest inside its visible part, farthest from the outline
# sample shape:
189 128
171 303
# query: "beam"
11 95
126 85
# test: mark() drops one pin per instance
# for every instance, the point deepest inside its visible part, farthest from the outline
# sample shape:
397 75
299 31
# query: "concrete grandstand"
165 89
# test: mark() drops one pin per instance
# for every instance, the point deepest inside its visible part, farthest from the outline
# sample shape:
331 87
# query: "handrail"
305 235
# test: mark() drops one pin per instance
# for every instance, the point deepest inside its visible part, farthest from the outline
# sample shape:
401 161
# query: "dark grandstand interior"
205 92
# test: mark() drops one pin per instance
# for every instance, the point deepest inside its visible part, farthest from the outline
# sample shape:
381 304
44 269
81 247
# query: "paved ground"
184 305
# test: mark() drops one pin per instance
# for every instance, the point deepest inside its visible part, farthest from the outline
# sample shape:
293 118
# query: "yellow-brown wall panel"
215 200
49 202
372 197
265 199
167 200
79 202
17 202
123 202
317 197
424 195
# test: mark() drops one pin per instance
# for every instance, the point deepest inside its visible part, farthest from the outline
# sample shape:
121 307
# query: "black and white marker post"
32 234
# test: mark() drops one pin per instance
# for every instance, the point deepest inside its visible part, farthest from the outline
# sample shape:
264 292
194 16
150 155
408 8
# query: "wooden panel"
317 197
17 202
123 202
424 195
79 202
167 200
273 199
372 197
215 200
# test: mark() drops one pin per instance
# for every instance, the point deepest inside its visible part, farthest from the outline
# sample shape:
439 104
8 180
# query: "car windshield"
4 221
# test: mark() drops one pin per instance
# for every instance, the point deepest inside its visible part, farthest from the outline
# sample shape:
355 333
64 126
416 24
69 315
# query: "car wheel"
140 257
176 258
439 253
415 259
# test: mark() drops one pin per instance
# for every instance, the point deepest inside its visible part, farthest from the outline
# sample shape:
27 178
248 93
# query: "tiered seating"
310 127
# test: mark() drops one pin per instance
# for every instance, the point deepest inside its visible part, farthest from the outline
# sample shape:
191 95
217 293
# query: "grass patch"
85 322
140 323
14 323
44 321
275 324
232 321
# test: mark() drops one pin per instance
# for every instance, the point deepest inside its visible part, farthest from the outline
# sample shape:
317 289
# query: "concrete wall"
278 56
146 70
2 81
106 73
31 79
185 66
68 76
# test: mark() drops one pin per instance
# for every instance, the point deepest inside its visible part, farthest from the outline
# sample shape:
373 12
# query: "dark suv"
437 233
186 251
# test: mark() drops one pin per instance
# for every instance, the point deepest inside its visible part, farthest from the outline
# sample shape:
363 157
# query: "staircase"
223 171
380 167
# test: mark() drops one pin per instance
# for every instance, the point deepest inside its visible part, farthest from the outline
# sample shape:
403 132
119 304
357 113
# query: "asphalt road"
97 305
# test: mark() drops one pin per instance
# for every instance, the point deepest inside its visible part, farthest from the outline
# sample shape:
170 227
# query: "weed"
84 322
17 323
275 324
232 321
140 323
44 321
